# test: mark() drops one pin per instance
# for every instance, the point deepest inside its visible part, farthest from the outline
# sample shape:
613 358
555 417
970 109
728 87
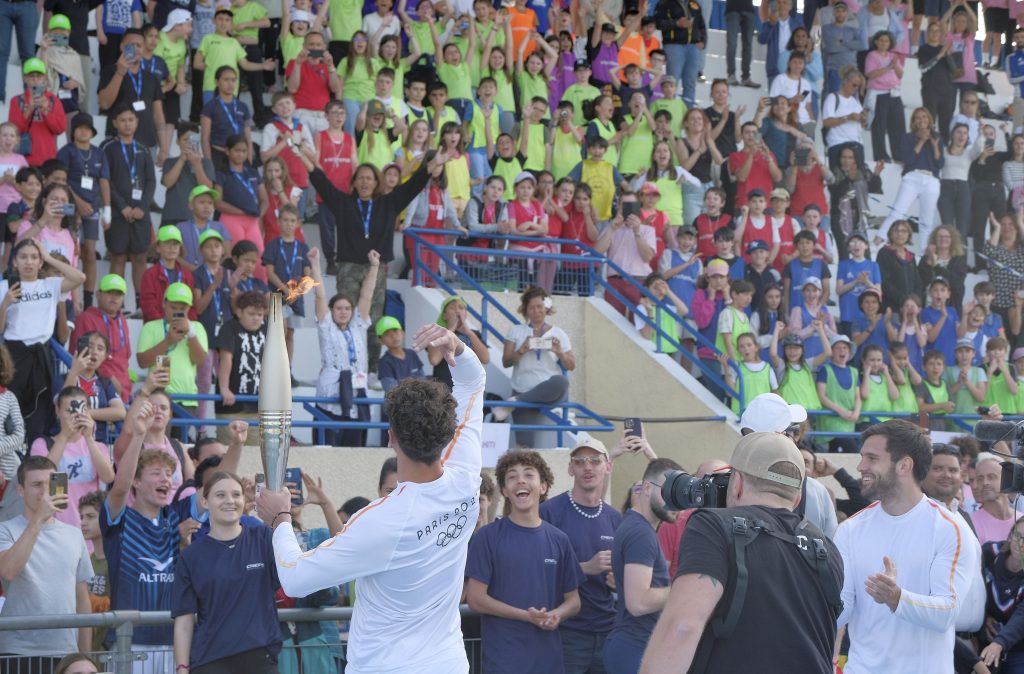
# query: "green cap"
33 65
113 283
444 305
387 323
209 234
59 22
200 190
169 233
178 292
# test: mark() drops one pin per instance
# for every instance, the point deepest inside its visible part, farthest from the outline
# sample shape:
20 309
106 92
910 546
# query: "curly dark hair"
422 415
92 499
253 298
529 459
903 438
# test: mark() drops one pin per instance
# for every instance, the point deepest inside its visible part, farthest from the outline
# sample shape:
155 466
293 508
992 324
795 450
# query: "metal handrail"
592 260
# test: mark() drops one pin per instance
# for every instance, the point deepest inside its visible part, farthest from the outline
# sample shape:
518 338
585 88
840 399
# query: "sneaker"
701 78
733 82
332 268
747 82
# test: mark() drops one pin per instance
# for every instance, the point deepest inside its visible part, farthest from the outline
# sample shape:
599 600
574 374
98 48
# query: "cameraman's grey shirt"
819 508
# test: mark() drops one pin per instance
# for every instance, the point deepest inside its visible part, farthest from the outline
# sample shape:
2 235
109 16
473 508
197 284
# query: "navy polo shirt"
226 119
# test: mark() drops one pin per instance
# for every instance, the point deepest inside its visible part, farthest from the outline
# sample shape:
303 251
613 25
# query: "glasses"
584 460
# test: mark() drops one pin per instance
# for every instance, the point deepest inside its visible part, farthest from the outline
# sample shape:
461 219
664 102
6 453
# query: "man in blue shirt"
522 574
641 572
590 524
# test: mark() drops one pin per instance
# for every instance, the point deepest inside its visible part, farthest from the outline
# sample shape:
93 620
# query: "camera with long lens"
683 491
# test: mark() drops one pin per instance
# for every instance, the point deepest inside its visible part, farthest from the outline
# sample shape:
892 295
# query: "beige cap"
756 453
586 440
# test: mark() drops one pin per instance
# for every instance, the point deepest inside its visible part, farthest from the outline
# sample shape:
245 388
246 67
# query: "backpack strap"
179 451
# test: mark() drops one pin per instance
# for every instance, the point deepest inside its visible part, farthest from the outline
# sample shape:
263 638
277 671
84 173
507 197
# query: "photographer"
786 594
907 561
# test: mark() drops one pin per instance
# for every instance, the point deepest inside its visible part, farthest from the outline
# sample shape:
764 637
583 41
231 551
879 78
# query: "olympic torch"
275 399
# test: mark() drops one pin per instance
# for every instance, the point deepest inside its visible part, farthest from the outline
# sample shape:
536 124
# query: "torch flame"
299 287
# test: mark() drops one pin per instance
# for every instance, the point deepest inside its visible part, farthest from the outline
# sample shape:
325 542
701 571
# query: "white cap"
585 440
301 15
770 413
176 17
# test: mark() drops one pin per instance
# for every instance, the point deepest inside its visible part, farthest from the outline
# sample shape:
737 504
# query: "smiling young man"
908 561
522 574
589 522
141 541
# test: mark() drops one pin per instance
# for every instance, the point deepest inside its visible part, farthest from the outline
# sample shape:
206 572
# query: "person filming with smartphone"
75 452
44 570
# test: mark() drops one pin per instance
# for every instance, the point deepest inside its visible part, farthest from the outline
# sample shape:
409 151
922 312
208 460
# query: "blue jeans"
351 112
735 24
22 17
479 168
582 651
622 657
684 63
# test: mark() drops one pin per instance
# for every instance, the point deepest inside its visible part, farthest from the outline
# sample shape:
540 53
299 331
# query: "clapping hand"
882 587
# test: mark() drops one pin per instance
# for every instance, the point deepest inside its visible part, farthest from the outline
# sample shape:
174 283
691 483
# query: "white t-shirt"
335 355
539 365
784 85
407 553
271 133
836 105
933 569
47 585
371 22
31 320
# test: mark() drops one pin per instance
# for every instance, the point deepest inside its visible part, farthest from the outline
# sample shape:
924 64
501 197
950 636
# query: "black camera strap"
743 532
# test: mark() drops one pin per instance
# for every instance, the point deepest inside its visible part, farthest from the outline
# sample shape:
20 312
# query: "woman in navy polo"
224 575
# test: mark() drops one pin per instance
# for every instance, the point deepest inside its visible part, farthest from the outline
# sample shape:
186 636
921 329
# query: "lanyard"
152 64
230 114
131 162
246 285
86 158
366 212
167 274
216 292
294 125
110 335
248 187
289 266
347 334
136 83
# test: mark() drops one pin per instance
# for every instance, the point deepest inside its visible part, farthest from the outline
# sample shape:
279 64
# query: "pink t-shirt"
887 82
989 528
56 241
82 477
958 42
8 193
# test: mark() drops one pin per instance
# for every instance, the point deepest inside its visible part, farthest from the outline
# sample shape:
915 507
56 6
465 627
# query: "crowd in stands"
745 243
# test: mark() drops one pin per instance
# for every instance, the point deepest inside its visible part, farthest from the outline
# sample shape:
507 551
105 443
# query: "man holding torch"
407 551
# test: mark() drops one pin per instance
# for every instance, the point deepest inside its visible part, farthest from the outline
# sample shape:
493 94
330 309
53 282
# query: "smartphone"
757 136
541 343
294 475
803 156
77 406
990 143
59 485
37 90
630 208
634 427
162 362
129 52
195 143
983 410
82 344
316 53
69 210
178 314
13 278
803 94
261 482
58 39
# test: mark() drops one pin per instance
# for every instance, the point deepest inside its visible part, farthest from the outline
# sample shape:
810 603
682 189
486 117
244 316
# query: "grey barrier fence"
121 659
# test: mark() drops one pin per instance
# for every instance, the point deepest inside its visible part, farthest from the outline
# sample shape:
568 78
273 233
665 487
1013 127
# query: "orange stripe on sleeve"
458 431
956 555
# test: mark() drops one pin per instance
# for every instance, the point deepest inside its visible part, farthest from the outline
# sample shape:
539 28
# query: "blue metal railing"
321 422
593 261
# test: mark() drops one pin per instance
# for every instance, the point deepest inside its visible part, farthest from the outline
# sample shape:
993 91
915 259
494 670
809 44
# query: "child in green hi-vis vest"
839 391
756 375
907 379
877 388
1002 377
967 383
796 375
733 321
667 320
932 394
